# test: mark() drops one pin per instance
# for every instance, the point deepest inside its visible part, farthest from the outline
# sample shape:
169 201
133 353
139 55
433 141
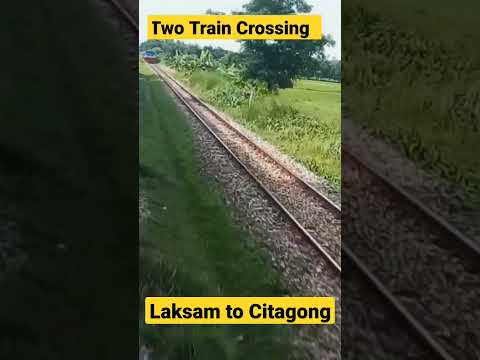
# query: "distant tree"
333 70
233 58
279 63
213 12
217 52
277 7
150 44
324 69
171 47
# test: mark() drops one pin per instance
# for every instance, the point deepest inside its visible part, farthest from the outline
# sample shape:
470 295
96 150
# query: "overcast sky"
329 9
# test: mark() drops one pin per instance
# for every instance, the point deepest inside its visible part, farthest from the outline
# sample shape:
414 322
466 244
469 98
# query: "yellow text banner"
240 310
234 27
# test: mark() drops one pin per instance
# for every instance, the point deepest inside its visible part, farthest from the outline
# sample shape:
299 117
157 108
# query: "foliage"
227 86
279 63
276 7
188 63
213 12
276 63
439 107
169 48
239 82
233 58
325 70
234 90
303 121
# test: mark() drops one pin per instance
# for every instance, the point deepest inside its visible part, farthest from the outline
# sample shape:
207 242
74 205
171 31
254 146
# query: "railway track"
289 192
466 244
223 130
303 270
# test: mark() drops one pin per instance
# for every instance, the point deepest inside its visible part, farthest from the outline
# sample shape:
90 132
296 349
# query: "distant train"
150 57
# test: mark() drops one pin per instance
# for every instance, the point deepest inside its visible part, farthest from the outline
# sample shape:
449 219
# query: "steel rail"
305 184
470 245
274 198
428 338
424 209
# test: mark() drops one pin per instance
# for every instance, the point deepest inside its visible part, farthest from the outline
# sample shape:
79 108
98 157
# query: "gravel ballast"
302 271
412 255
305 205
441 196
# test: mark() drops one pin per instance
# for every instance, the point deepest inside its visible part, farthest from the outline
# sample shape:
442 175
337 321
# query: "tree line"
276 63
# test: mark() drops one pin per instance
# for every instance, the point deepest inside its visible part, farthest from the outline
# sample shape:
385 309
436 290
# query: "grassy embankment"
188 246
408 86
304 122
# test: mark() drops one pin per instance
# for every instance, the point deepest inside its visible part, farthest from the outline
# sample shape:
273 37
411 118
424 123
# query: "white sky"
329 9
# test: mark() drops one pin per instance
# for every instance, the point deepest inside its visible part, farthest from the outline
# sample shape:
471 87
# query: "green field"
420 91
304 122
188 245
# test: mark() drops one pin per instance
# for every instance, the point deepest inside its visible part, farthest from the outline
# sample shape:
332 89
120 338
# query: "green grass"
303 122
415 90
189 246
429 17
